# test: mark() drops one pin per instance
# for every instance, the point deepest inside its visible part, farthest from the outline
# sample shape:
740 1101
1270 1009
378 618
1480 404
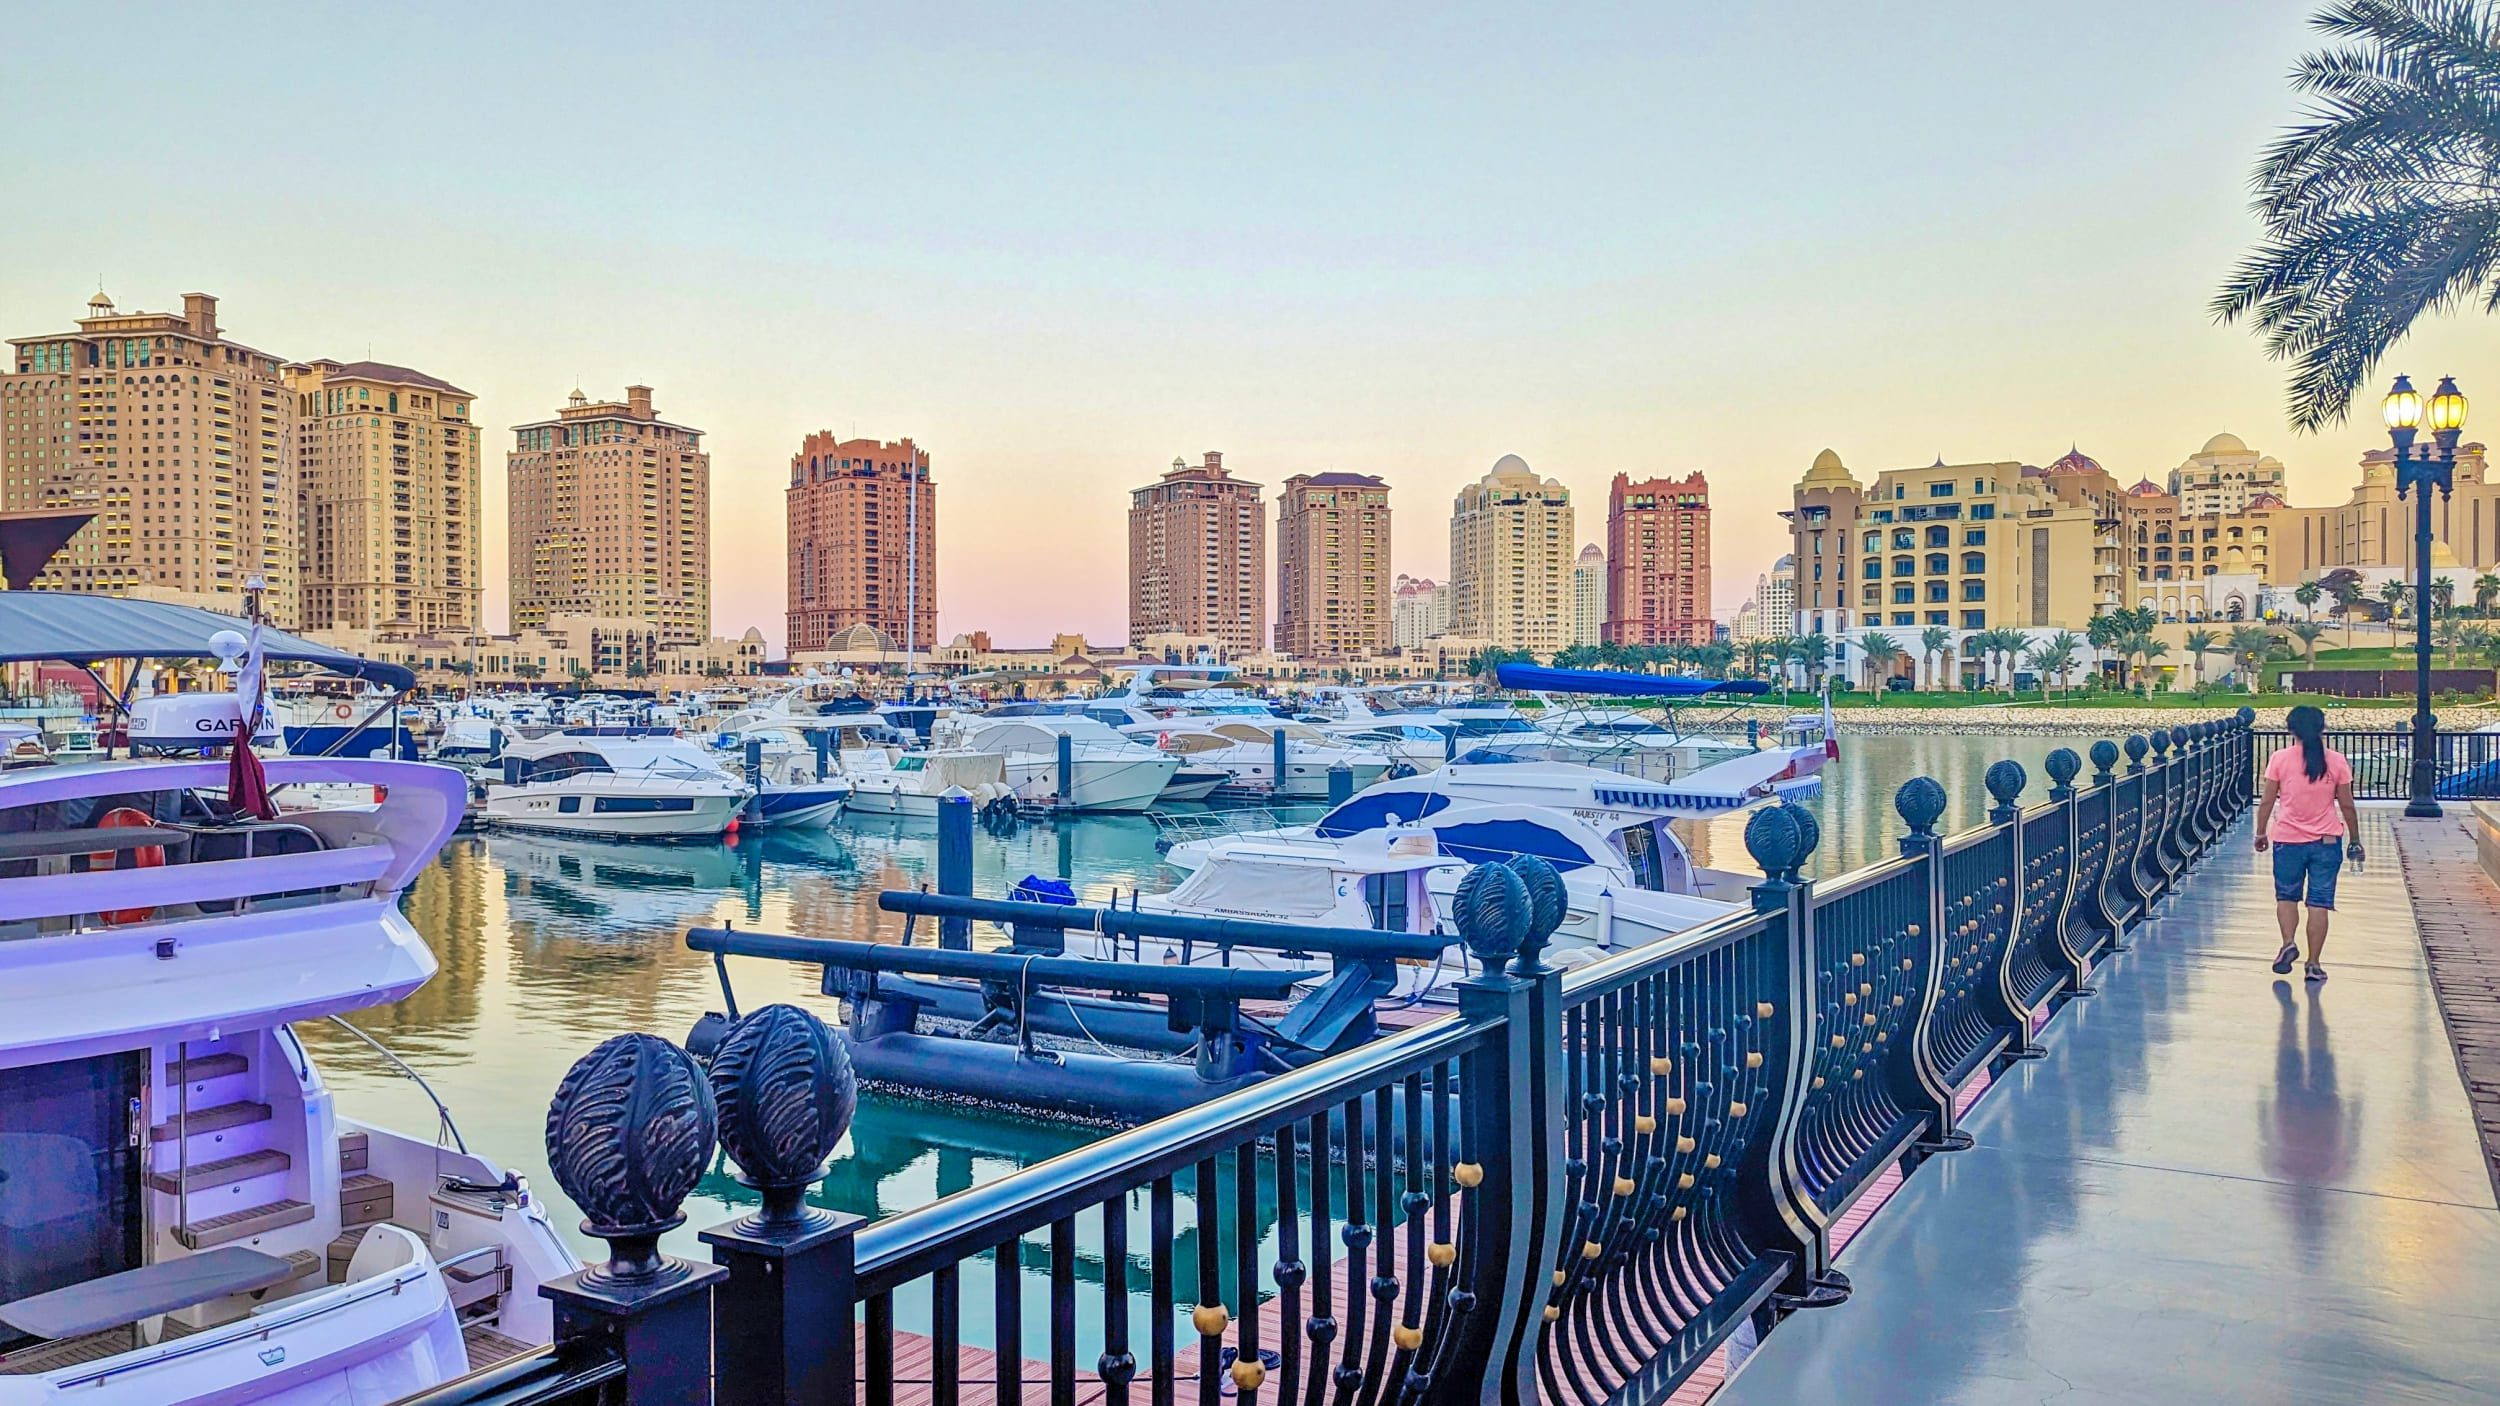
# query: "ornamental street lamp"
2434 467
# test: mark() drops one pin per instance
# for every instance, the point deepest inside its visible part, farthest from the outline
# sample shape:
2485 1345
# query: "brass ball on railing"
1210 1319
1407 1336
1468 1174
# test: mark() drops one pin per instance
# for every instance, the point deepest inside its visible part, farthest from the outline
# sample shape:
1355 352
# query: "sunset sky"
1059 245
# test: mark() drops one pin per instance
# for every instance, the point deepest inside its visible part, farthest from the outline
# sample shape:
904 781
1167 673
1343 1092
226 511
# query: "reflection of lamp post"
2403 411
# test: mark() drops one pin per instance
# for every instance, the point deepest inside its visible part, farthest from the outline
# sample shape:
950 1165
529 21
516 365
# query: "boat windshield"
1488 727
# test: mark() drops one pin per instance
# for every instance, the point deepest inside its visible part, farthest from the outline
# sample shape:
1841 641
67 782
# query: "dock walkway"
2219 1186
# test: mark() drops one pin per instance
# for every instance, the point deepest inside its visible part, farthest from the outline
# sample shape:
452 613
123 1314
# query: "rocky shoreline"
2113 722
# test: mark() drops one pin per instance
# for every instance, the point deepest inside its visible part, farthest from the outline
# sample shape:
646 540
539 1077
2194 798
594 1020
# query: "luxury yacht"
1105 771
633 783
187 1216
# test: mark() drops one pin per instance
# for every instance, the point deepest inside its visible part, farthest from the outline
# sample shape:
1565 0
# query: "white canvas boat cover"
1280 891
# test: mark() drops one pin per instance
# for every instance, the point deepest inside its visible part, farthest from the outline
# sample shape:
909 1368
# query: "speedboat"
632 783
795 788
1104 771
472 742
1245 749
909 782
188 1217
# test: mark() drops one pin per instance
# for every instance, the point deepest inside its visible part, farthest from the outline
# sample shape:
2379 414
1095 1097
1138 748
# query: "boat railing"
1177 827
442 1110
1575 1190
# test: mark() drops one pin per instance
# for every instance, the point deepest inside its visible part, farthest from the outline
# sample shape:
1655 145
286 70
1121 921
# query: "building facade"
1658 561
1419 613
1511 554
2224 477
388 481
1964 546
180 440
862 527
1332 567
1197 556
1771 613
610 517
1588 596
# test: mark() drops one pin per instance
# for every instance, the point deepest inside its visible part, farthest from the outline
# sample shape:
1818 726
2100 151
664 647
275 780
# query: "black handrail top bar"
1129 922
1140 978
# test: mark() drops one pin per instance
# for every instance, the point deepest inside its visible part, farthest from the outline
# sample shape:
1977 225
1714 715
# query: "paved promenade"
2219 1186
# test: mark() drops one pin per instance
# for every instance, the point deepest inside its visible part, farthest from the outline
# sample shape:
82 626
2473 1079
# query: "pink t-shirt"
2305 810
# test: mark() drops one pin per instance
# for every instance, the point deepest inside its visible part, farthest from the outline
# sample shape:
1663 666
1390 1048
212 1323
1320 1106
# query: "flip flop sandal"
2283 960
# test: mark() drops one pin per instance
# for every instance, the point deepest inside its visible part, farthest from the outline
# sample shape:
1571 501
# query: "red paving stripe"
2458 912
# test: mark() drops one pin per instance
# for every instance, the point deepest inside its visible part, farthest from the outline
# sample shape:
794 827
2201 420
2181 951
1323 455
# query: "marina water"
550 945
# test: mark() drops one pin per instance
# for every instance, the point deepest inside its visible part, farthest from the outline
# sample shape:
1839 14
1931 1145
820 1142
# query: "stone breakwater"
2118 722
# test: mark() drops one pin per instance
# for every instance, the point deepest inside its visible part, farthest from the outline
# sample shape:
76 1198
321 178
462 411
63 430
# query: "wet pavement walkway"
2220 1185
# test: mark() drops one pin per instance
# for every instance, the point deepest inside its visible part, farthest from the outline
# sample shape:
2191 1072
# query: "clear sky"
1059 245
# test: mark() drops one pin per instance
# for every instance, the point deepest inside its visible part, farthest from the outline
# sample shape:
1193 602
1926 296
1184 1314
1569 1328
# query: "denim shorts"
2311 865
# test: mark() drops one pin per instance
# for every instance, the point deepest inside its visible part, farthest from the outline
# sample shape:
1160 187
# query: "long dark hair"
2309 725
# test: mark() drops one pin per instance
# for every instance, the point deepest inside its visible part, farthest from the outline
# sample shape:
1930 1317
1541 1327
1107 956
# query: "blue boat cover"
68 628
1033 888
1619 683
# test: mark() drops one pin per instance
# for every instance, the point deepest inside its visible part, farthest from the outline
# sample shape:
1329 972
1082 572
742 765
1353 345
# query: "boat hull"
1102 784
519 808
797 807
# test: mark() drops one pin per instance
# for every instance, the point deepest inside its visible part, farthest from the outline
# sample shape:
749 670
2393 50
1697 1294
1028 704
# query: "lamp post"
2404 411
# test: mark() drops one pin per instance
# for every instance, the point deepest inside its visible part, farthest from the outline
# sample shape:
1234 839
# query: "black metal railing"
1574 1189
2382 762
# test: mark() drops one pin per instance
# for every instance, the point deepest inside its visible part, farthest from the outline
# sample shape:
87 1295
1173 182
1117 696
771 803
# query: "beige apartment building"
1197 557
180 441
611 517
1965 546
2225 477
1332 567
388 481
861 525
1588 596
1511 558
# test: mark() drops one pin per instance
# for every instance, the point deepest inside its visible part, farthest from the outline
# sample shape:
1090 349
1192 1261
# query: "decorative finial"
2247 716
1809 834
2005 780
2136 748
783 1082
1549 902
1920 802
629 1133
1771 838
1492 910
2062 766
2161 744
2104 761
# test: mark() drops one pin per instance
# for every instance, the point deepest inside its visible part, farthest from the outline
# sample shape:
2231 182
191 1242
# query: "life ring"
1163 742
144 857
342 712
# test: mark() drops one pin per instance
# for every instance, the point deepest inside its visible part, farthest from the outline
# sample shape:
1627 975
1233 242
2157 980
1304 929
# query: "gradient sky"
1059 245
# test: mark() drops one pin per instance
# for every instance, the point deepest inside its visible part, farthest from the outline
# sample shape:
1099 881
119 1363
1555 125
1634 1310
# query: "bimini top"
1619 683
68 628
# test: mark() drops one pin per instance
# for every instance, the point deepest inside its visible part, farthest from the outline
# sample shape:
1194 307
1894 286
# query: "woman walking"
2305 815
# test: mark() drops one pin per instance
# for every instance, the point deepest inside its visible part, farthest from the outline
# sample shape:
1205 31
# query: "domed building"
2146 488
1512 547
2223 477
2073 461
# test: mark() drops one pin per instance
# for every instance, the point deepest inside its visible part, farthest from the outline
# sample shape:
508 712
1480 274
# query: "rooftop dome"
1828 469
1512 464
2073 461
100 302
2264 501
2145 488
2224 444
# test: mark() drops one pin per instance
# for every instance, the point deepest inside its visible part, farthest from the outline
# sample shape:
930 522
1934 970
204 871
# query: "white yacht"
1244 748
1106 771
908 783
790 792
628 784
187 1216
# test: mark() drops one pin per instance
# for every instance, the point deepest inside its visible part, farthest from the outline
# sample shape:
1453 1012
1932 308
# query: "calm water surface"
549 946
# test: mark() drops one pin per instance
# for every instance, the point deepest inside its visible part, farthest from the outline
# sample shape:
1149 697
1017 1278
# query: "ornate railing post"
2005 779
1511 1119
2182 832
2160 795
2215 756
1771 1189
2119 899
1917 1084
629 1134
783 1083
2063 765
2245 769
2140 826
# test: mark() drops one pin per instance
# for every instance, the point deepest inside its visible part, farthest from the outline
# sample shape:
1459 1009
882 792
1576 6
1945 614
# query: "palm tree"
2386 205
2392 592
1936 642
2146 648
1882 651
1813 654
2443 594
2199 644
2307 594
2250 644
1755 651
2053 656
2448 630
2486 591
2307 632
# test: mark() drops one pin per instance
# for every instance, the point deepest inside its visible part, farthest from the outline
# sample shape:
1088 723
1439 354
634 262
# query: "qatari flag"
247 785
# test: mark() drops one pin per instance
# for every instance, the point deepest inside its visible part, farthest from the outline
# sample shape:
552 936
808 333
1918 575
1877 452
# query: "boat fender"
144 857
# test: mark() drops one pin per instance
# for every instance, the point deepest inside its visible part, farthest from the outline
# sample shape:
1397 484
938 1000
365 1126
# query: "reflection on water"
550 945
